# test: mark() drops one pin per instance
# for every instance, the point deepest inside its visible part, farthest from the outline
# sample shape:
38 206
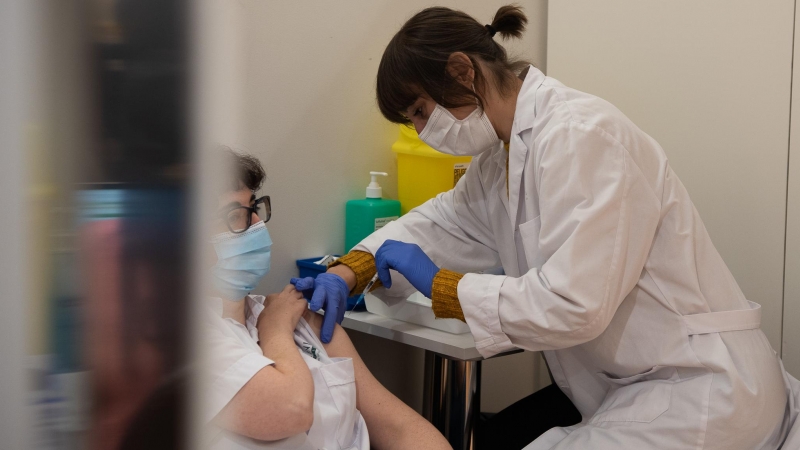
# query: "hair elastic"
492 30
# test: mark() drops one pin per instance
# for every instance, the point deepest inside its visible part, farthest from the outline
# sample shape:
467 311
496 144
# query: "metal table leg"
452 398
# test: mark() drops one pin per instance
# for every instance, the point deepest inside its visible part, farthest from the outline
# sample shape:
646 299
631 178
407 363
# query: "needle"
366 290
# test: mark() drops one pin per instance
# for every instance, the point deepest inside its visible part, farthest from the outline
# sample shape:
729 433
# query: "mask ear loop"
477 103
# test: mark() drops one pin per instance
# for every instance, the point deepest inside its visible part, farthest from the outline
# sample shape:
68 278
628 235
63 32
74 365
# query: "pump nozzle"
374 189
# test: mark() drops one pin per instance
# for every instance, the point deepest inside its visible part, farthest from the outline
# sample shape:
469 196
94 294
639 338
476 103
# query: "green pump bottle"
366 216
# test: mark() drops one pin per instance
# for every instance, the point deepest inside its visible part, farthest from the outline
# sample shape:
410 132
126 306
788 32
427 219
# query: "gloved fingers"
342 291
340 315
302 284
318 299
328 323
341 310
382 265
385 276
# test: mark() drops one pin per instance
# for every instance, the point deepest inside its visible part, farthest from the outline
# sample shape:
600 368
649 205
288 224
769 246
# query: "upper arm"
391 423
265 408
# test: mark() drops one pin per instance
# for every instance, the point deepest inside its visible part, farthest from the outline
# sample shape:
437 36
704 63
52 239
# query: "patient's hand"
282 312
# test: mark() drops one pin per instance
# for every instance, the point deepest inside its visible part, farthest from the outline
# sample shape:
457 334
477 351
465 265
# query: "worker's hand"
282 312
410 261
304 285
330 294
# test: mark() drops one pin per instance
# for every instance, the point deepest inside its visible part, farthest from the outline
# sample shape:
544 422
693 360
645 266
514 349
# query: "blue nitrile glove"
410 261
304 285
330 294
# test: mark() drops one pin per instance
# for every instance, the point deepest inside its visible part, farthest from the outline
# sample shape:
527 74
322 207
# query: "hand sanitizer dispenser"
365 216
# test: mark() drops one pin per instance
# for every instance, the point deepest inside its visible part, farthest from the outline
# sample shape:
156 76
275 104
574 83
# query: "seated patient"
273 384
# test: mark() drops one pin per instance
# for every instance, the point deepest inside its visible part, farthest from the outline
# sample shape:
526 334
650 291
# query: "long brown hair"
416 58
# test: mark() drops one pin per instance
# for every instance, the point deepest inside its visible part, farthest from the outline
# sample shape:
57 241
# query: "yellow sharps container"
422 172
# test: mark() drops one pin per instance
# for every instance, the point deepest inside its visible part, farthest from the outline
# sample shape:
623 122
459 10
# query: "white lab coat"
610 271
234 357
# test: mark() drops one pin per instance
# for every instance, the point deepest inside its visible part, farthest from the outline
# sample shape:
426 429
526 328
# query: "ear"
459 66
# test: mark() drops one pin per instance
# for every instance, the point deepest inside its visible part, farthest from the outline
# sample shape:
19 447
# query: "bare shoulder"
314 320
340 344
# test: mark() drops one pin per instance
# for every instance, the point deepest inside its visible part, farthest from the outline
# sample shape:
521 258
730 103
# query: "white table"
452 391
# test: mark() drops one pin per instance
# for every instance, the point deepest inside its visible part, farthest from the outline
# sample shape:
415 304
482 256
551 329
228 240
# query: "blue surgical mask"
242 260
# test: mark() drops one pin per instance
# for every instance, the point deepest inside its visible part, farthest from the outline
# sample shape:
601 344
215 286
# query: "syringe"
371 283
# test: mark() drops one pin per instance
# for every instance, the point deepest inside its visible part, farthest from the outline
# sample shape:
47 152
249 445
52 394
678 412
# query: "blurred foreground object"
94 182
134 259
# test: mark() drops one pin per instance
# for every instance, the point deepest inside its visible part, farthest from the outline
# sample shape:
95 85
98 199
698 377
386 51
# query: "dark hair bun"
509 21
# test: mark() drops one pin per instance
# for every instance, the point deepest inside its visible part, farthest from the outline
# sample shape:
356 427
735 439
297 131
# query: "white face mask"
467 137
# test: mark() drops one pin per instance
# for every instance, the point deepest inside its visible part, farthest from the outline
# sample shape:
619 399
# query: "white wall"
711 82
791 294
18 46
310 115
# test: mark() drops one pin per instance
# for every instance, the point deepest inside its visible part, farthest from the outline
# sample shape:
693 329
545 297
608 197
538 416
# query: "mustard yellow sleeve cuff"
444 295
363 265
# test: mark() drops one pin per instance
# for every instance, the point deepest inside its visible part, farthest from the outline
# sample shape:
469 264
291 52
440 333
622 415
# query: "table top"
454 346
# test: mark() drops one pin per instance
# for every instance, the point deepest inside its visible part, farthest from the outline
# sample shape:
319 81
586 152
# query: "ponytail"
509 21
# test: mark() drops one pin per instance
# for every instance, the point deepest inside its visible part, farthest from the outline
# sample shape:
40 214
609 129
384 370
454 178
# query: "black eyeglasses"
240 218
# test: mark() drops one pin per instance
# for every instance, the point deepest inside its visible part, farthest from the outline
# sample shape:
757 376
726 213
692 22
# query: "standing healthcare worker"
608 267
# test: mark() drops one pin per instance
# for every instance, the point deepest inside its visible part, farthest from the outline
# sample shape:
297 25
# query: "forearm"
359 267
356 268
280 348
444 296
403 428
294 377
